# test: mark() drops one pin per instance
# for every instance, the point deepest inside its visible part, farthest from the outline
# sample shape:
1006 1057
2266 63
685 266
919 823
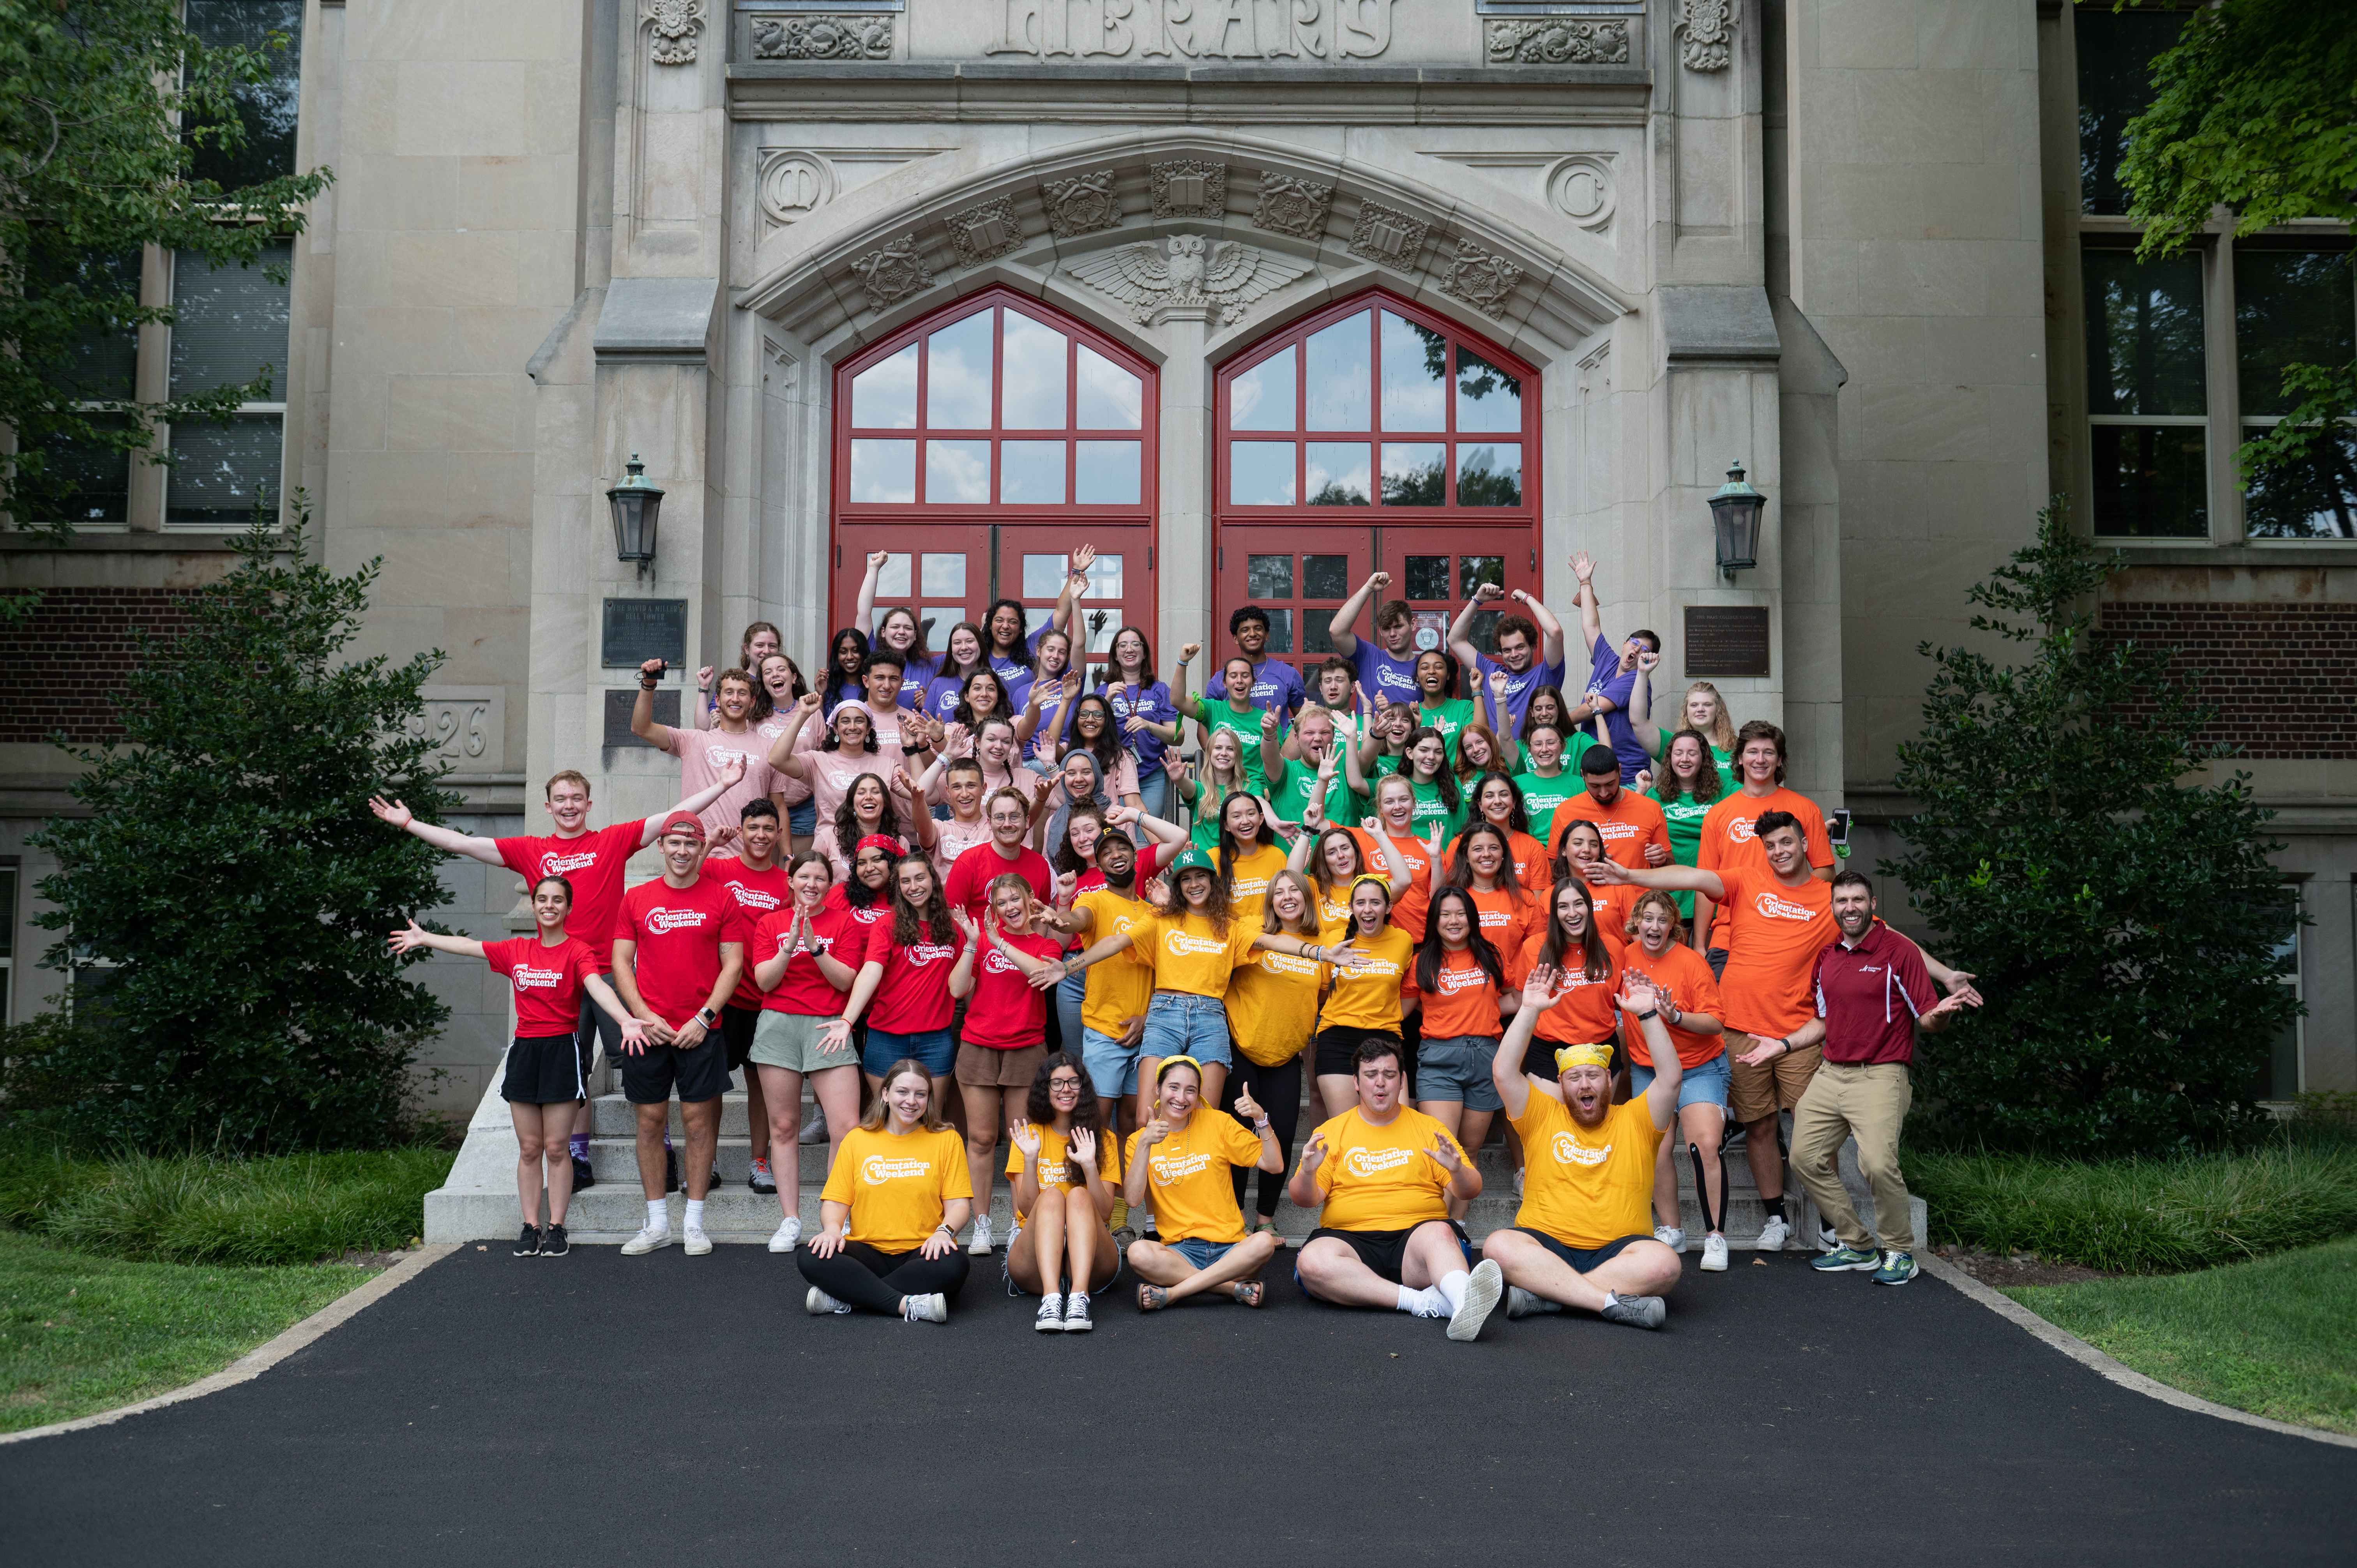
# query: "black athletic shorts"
1384 1252
1581 1259
544 1071
736 1033
700 1072
1337 1050
1538 1059
1717 959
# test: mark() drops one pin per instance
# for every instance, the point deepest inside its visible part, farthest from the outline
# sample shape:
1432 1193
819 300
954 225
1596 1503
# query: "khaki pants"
1869 1100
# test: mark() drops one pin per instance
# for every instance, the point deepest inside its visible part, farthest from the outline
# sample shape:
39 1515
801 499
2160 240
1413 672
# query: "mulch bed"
2000 1271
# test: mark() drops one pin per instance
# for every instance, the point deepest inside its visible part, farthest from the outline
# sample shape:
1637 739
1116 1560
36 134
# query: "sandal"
1269 1228
1152 1298
1246 1292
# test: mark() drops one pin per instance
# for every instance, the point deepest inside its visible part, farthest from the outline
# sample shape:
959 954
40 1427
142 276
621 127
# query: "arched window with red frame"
977 448
1373 435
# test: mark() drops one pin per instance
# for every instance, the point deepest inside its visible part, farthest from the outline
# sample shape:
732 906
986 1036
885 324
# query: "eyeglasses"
1063 1083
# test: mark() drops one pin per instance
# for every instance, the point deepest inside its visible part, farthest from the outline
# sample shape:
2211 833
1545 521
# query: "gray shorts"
1458 1070
789 1040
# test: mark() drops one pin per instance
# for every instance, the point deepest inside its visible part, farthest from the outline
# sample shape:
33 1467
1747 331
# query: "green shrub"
2142 1215
2325 1108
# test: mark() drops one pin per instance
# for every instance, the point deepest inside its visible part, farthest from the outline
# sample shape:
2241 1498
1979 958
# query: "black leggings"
1278 1090
864 1276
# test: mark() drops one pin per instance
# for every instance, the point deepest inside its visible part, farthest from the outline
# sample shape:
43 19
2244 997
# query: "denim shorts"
1459 1069
1199 1254
1181 1024
802 820
1703 1085
1113 1067
937 1048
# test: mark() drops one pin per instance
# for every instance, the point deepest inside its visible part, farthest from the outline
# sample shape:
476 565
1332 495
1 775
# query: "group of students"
960 898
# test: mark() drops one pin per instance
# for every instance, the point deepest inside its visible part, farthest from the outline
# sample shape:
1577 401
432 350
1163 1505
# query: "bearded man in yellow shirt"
1584 1235
1385 1172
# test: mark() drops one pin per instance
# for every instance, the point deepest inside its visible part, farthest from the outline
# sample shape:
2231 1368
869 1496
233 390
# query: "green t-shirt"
1542 796
1431 809
1289 796
1447 718
1246 728
1685 815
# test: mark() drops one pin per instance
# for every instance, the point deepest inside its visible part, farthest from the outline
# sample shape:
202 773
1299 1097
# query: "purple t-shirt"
1276 684
1390 675
1016 674
941 699
1606 679
1519 687
1147 703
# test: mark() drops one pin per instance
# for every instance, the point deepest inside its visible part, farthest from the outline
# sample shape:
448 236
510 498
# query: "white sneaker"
1774 1235
978 1239
1713 1254
818 1304
934 1308
1482 1293
698 1244
650 1238
1827 1238
813 1127
788 1234
1670 1235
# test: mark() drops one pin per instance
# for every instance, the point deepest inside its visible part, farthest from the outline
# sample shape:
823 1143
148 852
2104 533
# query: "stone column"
1184 561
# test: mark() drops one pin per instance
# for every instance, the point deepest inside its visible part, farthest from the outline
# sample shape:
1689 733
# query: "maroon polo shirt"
1870 996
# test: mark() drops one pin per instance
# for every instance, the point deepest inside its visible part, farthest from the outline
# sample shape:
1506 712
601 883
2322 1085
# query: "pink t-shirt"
954 838
793 791
703 755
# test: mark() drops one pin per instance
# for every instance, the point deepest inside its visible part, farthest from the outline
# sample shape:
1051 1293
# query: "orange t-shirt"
1584 1014
1628 824
1506 922
1685 975
1774 937
1411 852
1464 1002
1534 866
1611 904
1727 838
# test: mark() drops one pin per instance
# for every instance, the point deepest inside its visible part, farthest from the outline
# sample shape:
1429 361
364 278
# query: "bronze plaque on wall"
621 699
636 631
1727 639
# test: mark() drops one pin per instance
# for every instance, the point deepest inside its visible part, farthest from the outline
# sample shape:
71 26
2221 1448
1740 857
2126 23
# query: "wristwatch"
708 1017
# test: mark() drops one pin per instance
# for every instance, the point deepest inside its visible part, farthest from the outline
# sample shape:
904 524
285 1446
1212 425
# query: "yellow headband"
1370 877
1570 1056
1168 1062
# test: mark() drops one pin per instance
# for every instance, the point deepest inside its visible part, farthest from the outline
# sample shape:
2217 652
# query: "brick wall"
67 661
2283 676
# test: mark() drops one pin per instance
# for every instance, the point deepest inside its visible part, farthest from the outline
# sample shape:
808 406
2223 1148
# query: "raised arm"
1272 750
864 617
782 755
1650 735
1669 878
643 711
1641 1003
1538 995
1591 620
1346 641
732 773
415 937
1187 707
450 840
1154 828
1068 602
920 816
1550 628
1395 864
1460 630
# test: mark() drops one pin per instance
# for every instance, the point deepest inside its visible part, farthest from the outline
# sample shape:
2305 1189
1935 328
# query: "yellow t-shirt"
1121 986
897 1184
1192 1194
1586 1189
1368 997
1382 1178
1187 956
1272 1005
1248 886
1054 1170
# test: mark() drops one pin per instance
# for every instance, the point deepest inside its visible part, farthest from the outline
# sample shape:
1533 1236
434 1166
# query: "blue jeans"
1154 791
802 820
1181 1024
1112 1066
936 1048
1070 991
1199 1254
1703 1085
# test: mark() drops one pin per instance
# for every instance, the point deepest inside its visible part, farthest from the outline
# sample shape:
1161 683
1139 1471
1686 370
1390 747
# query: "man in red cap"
679 946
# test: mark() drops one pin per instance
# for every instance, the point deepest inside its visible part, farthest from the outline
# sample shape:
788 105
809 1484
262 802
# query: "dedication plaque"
639 629
1727 639
619 701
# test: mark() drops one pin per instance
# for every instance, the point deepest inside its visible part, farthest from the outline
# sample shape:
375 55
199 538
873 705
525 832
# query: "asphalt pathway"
599 1409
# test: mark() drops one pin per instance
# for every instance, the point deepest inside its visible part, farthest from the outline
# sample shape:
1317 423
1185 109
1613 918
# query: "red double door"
953 571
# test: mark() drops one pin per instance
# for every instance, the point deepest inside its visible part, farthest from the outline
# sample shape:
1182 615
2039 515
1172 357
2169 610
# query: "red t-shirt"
594 864
914 995
968 886
1464 1004
805 990
679 932
547 981
1005 1010
759 894
1870 996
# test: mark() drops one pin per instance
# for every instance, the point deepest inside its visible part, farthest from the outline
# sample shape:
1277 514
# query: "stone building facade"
1195 281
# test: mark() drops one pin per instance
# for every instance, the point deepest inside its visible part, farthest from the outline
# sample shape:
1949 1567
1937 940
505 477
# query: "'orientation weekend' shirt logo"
663 920
877 1169
1181 944
1570 1151
1374 1161
1775 909
1177 1167
547 979
555 864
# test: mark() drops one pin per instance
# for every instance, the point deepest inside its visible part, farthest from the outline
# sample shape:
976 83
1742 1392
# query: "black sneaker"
583 1178
762 1180
553 1243
670 1170
528 1243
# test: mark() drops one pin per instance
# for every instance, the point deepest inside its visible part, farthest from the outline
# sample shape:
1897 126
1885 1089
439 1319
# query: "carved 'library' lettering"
1193 29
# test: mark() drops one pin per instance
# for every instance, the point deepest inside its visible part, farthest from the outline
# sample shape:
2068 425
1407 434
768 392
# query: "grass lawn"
80 1334
2277 1337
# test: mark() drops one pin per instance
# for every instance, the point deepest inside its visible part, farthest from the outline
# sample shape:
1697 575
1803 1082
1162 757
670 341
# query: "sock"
1452 1288
580 1144
1611 1299
1774 1205
658 1214
695 1214
1409 1300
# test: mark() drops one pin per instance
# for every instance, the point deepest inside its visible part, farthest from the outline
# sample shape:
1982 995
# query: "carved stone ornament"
1187 269
823 37
1596 371
1552 42
1386 234
1188 189
1706 30
794 185
1081 204
892 271
674 26
979 233
1290 205
1581 189
1483 279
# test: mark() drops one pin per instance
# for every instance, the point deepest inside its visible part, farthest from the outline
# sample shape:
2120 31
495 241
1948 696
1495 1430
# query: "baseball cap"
1193 859
686 822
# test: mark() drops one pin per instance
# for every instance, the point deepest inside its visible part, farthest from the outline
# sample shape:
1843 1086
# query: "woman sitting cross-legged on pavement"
891 1211
1582 1235
1062 1165
1183 1155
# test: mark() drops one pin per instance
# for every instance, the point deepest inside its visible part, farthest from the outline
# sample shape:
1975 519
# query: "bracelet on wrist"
1648 1012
